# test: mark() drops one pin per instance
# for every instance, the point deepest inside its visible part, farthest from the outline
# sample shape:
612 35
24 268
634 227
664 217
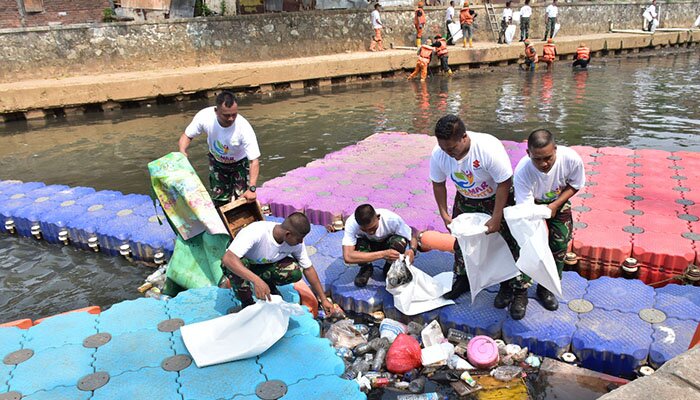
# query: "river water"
645 101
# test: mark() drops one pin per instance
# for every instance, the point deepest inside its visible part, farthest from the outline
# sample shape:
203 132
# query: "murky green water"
641 102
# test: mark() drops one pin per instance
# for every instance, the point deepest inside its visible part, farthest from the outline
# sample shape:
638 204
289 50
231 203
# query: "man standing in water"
550 175
478 165
233 149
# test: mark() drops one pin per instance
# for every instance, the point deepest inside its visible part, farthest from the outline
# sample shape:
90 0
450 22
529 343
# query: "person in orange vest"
425 53
582 57
466 19
530 55
419 22
440 45
549 54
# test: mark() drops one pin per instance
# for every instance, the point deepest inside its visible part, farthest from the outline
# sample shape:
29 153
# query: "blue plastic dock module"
61 330
60 393
196 305
671 338
611 341
478 318
681 302
364 300
625 295
146 383
545 333
331 244
132 316
434 262
132 351
328 269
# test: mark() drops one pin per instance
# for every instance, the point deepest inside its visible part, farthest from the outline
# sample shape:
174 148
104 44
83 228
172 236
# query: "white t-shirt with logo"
551 11
525 11
376 22
256 243
227 145
450 14
477 175
507 14
389 224
533 185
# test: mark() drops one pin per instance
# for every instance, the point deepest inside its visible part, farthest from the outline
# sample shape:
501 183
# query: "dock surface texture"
126 87
144 357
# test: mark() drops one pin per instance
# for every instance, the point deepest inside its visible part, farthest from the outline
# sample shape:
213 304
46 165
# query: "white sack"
423 293
529 228
510 33
516 18
697 22
557 26
247 333
486 257
455 31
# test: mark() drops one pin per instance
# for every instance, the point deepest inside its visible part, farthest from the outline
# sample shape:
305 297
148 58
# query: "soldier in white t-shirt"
551 13
551 175
372 235
233 149
268 254
478 165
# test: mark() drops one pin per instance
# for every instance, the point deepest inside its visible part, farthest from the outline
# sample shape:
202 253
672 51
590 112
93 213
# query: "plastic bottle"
379 359
362 348
417 385
424 396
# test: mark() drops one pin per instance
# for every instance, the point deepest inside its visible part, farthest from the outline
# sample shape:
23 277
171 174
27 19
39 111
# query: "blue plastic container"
151 238
30 215
46 191
82 228
58 219
116 230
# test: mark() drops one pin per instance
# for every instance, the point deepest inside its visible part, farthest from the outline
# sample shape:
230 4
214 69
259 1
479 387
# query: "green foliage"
201 9
108 15
223 7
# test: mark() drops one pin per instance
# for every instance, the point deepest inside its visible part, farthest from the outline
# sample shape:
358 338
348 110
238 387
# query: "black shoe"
547 298
459 287
519 304
363 276
504 296
385 270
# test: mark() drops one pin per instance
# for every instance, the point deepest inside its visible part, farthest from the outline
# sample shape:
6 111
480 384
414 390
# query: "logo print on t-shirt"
464 180
220 147
476 164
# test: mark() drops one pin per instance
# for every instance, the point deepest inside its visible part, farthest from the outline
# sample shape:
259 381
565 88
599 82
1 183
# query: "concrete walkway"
39 98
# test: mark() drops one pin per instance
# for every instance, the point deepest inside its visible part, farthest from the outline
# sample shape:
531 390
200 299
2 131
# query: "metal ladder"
493 20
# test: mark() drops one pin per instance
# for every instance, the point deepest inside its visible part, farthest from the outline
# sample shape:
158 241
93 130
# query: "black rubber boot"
547 298
459 287
363 276
518 305
504 296
385 270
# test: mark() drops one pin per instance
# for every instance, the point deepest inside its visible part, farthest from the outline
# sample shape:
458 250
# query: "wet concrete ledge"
48 98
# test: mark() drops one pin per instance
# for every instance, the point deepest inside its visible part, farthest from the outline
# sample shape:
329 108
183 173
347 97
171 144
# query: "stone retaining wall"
101 48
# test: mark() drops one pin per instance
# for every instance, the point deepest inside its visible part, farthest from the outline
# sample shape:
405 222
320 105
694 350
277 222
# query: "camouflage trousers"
227 180
282 272
465 205
396 242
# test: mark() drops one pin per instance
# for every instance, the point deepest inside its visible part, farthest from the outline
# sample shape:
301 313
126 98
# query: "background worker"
268 254
549 53
376 44
531 58
466 21
441 51
551 13
582 56
478 165
425 54
419 22
550 175
506 19
372 235
651 15
233 149
525 14
449 18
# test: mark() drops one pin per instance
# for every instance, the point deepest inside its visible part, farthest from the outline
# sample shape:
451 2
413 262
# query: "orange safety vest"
583 53
426 52
550 52
419 18
531 53
465 17
442 50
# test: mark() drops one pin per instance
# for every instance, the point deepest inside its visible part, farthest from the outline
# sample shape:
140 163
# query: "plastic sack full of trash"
344 333
398 274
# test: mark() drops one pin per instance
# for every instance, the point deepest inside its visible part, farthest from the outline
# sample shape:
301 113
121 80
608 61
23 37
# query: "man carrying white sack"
550 175
268 254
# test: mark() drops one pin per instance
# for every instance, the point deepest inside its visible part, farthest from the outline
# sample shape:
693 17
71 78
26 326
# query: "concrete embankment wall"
61 51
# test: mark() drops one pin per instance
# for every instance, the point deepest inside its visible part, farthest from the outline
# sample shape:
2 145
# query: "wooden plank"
34 6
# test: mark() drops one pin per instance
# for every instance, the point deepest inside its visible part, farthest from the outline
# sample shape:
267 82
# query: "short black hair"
450 127
297 222
527 2
452 3
539 139
226 98
364 214
377 6
508 3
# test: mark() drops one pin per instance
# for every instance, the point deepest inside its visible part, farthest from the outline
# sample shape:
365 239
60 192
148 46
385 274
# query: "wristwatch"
252 188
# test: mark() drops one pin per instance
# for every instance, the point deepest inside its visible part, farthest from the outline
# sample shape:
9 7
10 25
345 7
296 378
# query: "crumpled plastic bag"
422 293
398 273
403 355
344 333
529 228
245 334
487 258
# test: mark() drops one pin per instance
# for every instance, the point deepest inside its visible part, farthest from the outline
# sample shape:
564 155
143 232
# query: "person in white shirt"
377 44
268 254
506 20
525 14
650 15
478 165
449 18
372 235
233 149
551 13
550 175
